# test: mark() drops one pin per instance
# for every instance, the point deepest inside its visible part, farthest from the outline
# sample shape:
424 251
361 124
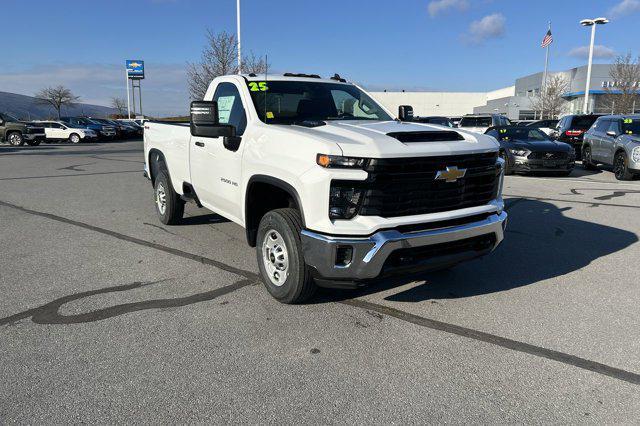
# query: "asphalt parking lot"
108 316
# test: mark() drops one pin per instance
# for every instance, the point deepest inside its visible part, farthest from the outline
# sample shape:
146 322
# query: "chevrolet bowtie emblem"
452 174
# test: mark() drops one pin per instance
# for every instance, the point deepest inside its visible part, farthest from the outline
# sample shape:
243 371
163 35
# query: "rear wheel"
280 258
74 138
621 167
587 161
33 143
169 205
15 139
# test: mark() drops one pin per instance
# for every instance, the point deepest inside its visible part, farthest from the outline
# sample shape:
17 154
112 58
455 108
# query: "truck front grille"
408 186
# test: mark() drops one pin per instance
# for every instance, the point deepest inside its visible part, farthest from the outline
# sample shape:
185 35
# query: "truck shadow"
540 243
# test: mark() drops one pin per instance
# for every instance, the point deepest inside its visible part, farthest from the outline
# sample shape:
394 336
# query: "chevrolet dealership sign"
135 68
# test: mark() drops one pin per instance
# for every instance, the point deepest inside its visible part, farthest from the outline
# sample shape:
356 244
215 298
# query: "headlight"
344 200
519 152
635 154
339 162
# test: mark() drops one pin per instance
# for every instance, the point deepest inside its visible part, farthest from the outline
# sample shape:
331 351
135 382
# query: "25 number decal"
260 86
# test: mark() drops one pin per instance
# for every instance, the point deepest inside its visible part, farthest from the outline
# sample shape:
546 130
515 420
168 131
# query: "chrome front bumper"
370 253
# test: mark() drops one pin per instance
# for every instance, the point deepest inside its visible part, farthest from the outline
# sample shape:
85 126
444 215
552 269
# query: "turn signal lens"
340 162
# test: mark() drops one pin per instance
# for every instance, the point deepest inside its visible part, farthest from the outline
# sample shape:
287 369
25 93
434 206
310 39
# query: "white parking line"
635 185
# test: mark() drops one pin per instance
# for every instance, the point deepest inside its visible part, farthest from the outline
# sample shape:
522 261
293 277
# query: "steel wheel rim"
275 257
14 139
161 198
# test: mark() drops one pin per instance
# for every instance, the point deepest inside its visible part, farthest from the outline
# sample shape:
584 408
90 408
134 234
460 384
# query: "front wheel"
280 259
15 139
587 161
33 143
74 138
169 205
507 167
621 167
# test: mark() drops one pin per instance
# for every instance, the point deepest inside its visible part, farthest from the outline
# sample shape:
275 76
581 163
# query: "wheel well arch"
155 159
10 131
263 194
619 150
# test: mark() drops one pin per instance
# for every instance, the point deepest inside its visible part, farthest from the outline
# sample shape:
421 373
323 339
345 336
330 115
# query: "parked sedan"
57 131
614 140
526 149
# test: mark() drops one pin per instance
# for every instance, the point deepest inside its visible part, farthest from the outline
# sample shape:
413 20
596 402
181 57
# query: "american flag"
547 40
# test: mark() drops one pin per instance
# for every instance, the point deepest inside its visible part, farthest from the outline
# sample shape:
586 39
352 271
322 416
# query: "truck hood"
370 139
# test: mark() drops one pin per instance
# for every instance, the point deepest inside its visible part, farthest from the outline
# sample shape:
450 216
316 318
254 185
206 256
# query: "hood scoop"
431 136
310 123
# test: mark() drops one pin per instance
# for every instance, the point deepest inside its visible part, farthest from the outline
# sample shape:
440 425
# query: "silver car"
614 140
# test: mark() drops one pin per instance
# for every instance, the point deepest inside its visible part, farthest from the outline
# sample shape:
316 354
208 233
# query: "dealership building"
514 101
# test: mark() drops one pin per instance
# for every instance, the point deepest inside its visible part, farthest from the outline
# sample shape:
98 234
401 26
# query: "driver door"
216 162
608 141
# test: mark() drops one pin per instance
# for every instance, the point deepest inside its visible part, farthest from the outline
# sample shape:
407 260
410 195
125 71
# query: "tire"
15 139
507 168
74 138
279 251
169 205
587 161
621 167
33 143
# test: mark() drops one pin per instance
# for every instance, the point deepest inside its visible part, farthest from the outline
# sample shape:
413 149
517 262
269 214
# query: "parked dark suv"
571 129
103 131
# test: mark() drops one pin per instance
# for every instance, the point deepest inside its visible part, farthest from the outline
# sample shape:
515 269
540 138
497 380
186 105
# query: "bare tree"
120 105
550 102
624 91
57 97
219 57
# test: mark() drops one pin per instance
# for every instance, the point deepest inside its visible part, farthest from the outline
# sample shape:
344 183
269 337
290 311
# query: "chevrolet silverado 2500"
330 188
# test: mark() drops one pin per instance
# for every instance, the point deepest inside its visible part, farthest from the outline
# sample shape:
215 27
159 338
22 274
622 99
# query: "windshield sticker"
269 114
225 103
258 86
628 121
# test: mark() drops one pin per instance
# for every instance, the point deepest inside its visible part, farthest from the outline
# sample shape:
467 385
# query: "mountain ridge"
27 108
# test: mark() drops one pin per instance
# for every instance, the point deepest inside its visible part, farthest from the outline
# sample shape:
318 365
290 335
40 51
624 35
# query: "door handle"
200 144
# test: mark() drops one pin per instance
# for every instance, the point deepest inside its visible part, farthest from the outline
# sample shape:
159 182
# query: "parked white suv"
480 123
331 189
55 130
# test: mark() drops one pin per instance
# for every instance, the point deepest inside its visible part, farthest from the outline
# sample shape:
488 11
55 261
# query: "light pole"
590 23
239 44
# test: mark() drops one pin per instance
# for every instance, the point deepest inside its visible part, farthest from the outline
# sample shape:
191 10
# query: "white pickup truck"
330 188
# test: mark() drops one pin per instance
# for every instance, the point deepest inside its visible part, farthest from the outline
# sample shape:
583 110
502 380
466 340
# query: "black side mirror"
205 121
405 113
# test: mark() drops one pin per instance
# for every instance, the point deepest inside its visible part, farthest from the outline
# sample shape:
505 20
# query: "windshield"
9 117
518 133
631 126
475 122
290 102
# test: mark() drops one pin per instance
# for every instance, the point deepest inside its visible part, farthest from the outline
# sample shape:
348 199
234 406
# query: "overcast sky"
452 45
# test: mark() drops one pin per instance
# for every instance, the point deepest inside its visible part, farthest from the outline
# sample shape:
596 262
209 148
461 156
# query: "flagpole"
544 76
